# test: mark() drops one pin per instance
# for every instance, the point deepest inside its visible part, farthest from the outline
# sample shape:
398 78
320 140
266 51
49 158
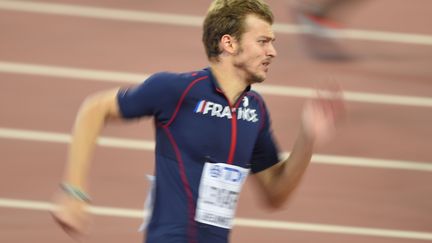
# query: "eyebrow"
267 38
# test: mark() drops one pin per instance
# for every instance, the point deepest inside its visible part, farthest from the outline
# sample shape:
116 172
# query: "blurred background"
372 183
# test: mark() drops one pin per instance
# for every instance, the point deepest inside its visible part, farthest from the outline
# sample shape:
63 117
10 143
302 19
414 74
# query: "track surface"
347 202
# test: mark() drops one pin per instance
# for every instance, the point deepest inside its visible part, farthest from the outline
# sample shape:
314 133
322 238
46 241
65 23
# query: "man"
211 132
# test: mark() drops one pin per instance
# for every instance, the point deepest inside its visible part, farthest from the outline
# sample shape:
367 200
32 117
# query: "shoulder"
179 76
175 80
253 94
256 95
159 92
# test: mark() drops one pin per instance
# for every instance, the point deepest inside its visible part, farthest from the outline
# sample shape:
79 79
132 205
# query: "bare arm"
93 114
279 181
318 123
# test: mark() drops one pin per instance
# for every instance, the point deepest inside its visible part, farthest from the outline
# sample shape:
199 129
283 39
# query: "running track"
371 184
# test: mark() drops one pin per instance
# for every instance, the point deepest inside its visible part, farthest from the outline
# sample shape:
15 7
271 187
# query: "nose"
271 50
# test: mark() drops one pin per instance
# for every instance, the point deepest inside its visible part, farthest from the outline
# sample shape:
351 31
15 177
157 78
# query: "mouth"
266 64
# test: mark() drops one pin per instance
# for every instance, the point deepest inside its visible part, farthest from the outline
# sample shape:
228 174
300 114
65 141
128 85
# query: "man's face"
256 50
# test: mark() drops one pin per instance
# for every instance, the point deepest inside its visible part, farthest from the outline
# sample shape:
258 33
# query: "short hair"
228 17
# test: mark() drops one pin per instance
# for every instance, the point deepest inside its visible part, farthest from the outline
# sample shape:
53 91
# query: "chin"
261 78
257 79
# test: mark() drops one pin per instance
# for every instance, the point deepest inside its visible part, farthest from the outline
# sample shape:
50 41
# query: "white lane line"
68 72
363 97
102 13
46 206
41 136
196 21
124 77
238 222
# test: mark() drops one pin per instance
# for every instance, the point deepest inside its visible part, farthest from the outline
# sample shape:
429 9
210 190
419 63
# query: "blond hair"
228 17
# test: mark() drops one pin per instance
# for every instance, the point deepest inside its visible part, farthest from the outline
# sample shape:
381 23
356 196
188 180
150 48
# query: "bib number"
219 190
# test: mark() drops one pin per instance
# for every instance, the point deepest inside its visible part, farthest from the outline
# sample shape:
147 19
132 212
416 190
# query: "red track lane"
329 194
368 132
387 68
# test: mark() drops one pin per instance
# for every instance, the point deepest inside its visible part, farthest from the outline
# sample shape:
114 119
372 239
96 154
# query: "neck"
229 81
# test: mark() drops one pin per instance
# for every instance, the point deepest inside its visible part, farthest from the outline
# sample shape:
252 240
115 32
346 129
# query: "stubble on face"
250 76
252 58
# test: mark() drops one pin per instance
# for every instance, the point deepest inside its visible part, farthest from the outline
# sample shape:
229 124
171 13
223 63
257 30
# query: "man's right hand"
71 214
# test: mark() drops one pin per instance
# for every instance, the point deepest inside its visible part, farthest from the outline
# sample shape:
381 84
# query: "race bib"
219 190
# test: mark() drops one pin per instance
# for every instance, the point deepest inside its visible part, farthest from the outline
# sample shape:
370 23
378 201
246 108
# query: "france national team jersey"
205 148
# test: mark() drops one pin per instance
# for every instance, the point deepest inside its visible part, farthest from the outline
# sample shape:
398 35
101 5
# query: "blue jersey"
196 124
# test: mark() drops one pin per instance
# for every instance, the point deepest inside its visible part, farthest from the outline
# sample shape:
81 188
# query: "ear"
228 44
